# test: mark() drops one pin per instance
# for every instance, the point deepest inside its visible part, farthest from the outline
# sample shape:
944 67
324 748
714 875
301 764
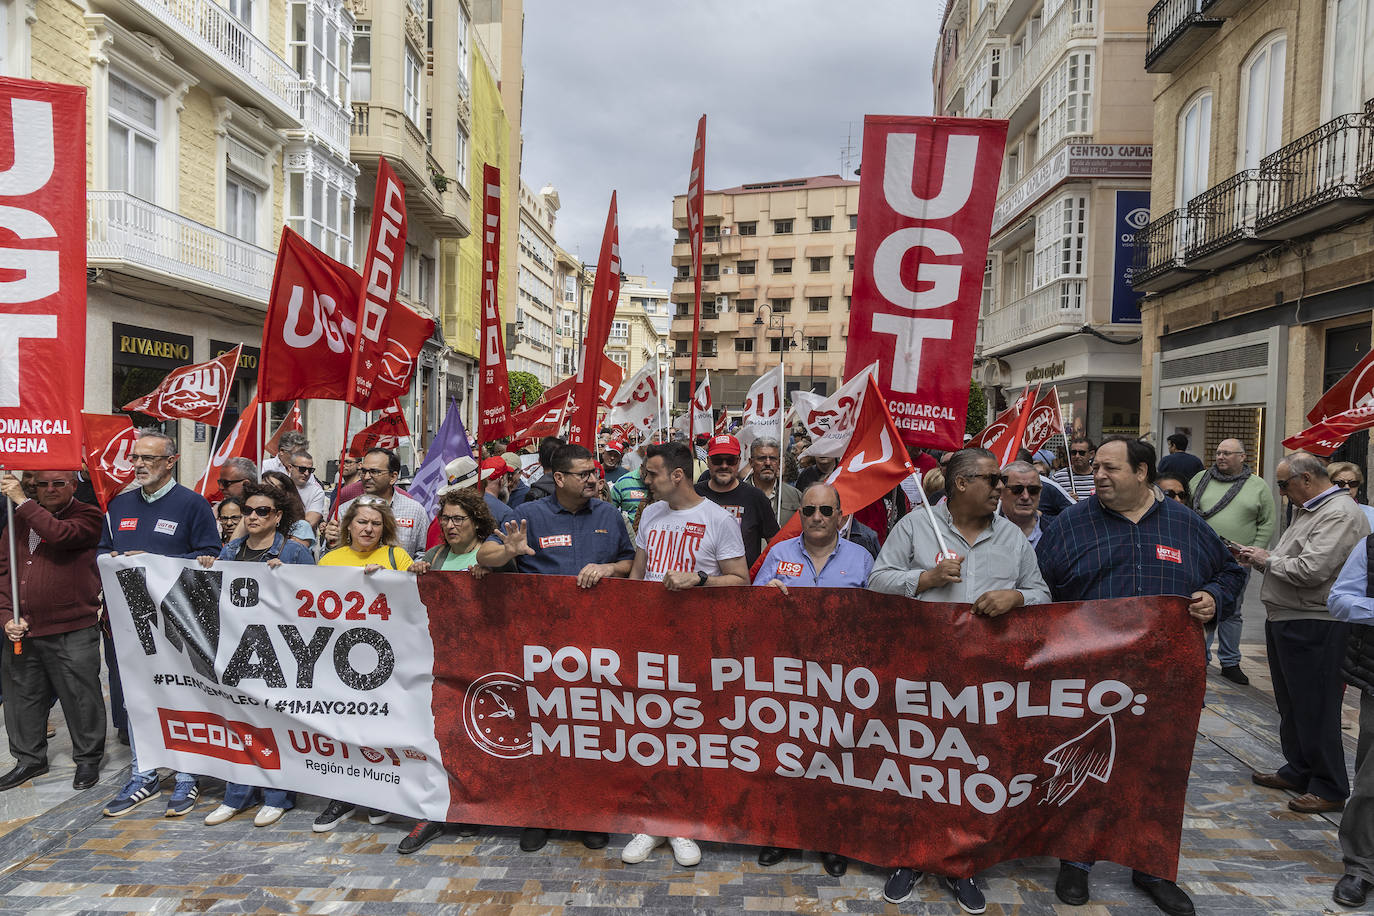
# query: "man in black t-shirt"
745 502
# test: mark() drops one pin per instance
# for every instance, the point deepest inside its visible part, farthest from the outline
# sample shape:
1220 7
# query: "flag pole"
14 568
930 516
343 453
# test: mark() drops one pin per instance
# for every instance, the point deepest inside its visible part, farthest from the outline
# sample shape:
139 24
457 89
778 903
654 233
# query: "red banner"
925 214
696 208
1325 437
998 737
1046 421
292 424
386 432
109 443
244 441
43 291
198 392
386 248
308 334
1009 444
493 389
1354 387
605 295
544 420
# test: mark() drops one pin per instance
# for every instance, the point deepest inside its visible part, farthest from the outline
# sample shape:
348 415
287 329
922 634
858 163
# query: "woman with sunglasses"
299 529
1174 486
1350 479
266 519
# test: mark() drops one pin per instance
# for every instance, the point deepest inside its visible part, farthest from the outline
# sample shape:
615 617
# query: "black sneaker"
1233 674
901 883
966 894
1072 884
332 816
425 832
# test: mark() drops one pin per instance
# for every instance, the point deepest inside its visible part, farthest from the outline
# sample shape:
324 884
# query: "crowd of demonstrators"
162 517
269 514
757 520
765 457
1305 643
1077 478
1237 503
410 520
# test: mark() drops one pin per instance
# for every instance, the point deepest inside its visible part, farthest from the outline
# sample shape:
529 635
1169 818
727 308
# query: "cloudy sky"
613 90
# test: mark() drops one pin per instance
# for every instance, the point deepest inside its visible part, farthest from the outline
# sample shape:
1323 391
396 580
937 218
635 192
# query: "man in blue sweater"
165 518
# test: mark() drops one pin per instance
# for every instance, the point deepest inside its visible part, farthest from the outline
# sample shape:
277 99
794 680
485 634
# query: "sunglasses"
808 511
584 475
1281 484
1348 484
369 500
304 470
146 459
994 480
725 459
1076 451
1172 494
54 484
260 511
1020 488
225 482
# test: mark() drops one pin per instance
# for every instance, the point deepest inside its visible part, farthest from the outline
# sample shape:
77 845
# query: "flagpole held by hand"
930 517
14 570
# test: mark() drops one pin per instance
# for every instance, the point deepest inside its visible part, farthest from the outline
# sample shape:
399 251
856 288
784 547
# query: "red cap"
723 445
494 463
614 445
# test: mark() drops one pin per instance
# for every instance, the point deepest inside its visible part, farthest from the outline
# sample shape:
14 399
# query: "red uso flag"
198 392
42 273
109 445
377 298
386 432
493 390
925 214
605 294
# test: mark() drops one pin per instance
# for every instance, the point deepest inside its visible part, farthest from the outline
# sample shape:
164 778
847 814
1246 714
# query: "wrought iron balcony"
1057 308
1225 220
1174 30
1160 249
130 234
1366 176
1316 180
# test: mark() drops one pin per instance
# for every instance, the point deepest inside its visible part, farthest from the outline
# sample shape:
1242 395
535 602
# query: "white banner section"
317 679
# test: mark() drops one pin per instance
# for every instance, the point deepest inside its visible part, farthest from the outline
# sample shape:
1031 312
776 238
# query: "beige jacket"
1309 556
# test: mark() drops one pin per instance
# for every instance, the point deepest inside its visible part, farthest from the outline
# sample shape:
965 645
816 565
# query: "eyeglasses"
585 475
453 519
1078 451
1020 488
147 459
369 500
1172 494
53 484
725 459
371 472
225 482
259 511
1221 451
1281 484
808 511
1348 484
769 459
310 469
994 480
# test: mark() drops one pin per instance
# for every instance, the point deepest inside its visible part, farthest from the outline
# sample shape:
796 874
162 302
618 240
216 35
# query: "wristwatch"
701 577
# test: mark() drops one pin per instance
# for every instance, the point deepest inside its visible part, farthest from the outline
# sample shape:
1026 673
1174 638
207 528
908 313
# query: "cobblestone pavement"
1243 852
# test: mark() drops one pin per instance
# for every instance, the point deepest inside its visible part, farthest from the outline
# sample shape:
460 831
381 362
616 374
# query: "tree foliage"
523 384
977 410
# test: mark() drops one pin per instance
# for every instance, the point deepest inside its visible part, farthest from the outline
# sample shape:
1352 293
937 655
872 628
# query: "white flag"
762 416
830 421
702 422
636 403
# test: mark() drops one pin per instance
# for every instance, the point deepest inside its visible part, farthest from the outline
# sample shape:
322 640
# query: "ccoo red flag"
493 389
875 462
377 294
386 432
925 214
242 442
109 443
198 392
696 211
605 294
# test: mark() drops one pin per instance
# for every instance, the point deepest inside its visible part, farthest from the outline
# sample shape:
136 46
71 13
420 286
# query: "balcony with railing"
1175 29
235 61
438 200
322 118
1159 251
1070 22
1057 308
136 237
1316 180
1224 226
1366 166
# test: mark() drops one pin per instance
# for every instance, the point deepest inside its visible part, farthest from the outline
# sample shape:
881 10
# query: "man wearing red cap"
611 453
746 502
494 491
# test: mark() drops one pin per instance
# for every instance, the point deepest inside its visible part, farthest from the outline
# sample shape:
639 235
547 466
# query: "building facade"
1058 306
530 330
777 275
1258 262
639 330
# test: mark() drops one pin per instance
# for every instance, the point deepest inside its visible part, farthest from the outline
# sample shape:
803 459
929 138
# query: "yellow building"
639 330
1258 261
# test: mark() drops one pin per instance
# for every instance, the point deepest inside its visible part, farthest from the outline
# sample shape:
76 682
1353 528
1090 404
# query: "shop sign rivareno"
149 348
1212 393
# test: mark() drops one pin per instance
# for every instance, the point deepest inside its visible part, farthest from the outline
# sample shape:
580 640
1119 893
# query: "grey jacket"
1309 555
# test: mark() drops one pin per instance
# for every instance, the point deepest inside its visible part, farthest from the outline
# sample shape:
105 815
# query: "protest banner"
493 383
893 731
382 266
43 291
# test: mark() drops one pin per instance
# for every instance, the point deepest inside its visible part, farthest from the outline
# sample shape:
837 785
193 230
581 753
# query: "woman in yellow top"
367 538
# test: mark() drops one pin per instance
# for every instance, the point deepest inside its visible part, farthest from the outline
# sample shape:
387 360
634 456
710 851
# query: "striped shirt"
1080 486
1089 551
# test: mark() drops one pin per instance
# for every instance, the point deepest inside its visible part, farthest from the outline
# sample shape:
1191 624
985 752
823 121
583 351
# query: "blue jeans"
239 796
181 778
1227 633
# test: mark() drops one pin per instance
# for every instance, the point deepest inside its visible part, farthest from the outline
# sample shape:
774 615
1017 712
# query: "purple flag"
450 442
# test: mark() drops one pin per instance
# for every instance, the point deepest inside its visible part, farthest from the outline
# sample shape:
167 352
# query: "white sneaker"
376 816
687 852
267 816
220 815
639 847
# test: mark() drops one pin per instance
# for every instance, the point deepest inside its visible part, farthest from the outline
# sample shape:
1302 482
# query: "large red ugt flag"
925 213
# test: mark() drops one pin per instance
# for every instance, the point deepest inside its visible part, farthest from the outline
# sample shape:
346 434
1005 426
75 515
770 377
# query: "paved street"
1243 852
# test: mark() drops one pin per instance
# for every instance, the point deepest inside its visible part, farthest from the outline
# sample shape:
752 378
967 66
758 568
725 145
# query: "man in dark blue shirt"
1126 540
566 534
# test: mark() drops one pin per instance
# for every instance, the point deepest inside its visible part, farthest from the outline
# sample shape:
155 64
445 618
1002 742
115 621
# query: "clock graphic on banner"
493 716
